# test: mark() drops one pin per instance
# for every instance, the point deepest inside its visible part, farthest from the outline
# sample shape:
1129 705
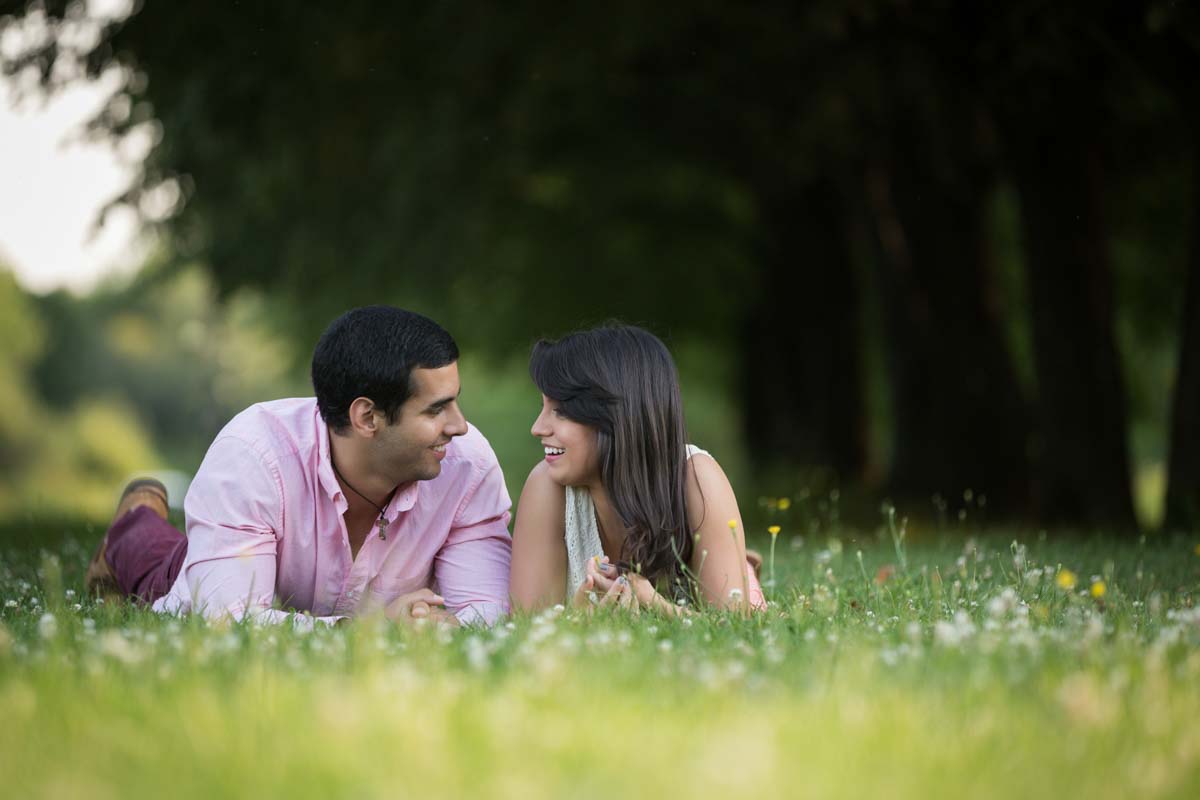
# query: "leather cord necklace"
383 521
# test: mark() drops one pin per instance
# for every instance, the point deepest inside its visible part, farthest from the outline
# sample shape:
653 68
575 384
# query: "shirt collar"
406 496
325 474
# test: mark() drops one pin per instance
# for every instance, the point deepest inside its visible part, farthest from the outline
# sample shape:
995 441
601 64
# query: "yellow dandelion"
786 502
1098 589
773 530
733 524
1066 579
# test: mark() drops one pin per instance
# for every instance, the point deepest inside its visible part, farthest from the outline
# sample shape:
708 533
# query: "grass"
974 670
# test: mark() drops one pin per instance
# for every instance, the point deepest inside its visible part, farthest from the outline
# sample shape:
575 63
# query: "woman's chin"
562 475
557 473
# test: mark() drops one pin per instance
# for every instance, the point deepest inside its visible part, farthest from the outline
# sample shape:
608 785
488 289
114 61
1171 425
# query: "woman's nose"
539 426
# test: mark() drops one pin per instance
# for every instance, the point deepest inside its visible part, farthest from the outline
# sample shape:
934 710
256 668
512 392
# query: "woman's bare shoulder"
706 485
542 499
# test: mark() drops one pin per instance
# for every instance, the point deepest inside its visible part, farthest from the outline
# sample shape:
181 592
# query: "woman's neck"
612 528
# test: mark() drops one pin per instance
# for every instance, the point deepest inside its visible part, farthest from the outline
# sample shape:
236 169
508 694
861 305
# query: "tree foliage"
798 183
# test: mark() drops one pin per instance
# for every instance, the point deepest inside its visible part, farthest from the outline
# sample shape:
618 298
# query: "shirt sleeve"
234 510
472 566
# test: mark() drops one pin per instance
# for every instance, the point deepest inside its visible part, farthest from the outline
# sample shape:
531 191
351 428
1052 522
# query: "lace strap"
582 536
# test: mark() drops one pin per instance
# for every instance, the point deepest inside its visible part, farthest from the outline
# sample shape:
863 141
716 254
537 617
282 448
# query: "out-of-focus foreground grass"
983 668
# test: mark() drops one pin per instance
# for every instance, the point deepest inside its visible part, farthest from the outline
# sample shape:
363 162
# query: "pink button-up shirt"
266 533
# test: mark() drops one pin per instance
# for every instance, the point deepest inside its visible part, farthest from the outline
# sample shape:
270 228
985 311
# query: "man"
357 500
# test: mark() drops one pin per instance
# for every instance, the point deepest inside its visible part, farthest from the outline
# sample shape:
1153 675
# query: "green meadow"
995 664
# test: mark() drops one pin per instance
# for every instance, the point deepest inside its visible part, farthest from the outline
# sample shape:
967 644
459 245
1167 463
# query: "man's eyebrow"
443 401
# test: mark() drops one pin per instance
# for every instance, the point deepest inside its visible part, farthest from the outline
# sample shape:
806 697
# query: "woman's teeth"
554 451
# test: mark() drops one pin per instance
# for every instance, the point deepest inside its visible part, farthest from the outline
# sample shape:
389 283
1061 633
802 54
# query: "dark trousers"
145 553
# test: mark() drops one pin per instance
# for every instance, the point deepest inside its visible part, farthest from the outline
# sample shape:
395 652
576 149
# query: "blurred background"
937 253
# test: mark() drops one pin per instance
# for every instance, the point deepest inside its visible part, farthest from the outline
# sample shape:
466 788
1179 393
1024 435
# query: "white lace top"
582 533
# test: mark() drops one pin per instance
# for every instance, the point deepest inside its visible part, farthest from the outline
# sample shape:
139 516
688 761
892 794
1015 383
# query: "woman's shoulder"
706 482
539 480
701 465
541 494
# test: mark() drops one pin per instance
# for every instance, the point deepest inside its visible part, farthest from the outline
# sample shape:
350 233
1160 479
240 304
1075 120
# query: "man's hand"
420 606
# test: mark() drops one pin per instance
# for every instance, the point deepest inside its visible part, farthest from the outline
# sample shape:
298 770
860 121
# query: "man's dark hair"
371 352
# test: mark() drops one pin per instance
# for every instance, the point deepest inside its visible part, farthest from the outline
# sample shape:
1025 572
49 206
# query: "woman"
622 510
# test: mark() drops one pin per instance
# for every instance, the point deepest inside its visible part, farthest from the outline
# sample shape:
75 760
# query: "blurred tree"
1166 46
22 333
1049 85
164 347
928 176
1183 488
65 462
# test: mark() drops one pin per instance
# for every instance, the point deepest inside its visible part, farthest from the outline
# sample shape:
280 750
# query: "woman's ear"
363 419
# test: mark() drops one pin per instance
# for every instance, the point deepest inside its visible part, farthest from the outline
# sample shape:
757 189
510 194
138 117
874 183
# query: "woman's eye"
558 413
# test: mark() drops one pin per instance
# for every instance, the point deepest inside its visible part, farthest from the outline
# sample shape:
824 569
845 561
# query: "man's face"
412 448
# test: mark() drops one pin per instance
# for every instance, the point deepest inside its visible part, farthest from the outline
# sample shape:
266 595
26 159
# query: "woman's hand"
604 575
617 594
585 595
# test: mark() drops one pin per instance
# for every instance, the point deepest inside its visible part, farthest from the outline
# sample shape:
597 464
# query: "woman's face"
570 447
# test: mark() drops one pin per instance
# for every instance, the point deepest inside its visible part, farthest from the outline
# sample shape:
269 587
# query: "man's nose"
458 425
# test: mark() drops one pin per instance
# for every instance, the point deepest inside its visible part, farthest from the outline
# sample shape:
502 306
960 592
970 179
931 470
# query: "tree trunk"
1183 470
802 384
1082 463
960 421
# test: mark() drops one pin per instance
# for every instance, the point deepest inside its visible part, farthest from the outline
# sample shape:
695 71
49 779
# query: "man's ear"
363 418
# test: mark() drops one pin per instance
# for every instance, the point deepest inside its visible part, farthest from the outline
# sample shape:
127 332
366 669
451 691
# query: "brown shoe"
99 579
755 560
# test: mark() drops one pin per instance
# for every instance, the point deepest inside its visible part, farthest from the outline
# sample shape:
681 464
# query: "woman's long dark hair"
620 380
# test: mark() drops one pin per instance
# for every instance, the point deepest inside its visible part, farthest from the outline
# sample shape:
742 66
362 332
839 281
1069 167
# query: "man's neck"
355 475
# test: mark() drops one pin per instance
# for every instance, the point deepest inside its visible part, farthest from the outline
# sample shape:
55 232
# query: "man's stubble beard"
416 465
